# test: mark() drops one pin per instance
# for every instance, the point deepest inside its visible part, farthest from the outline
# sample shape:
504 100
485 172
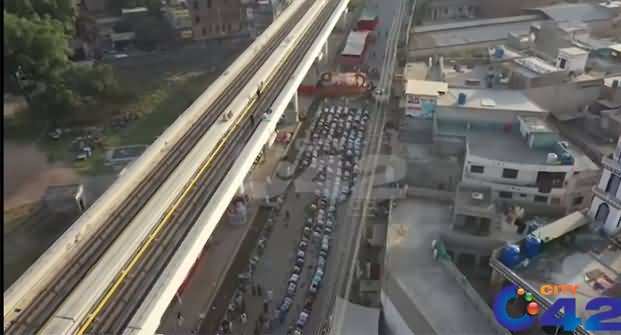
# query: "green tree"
35 49
151 31
85 28
154 7
64 11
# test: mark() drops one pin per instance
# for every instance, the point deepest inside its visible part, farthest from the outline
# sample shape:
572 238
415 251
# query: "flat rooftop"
453 34
355 43
419 282
492 99
504 146
589 261
426 87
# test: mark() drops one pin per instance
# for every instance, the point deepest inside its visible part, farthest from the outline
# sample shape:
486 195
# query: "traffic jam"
330 159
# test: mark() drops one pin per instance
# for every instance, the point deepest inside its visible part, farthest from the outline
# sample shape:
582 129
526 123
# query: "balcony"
612 164
609 198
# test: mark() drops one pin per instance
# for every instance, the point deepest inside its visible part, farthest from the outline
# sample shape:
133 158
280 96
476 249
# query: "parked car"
302 320
291 289
294 278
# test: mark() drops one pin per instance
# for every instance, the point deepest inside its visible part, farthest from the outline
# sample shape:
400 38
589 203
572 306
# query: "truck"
343 84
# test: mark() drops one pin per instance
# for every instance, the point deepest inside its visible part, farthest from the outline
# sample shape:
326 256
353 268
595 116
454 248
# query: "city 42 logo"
562 313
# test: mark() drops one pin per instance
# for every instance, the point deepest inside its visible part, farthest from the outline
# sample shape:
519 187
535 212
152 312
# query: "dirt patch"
27 174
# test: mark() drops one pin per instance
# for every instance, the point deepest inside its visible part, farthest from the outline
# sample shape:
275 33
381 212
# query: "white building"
421 97
606 206
509 147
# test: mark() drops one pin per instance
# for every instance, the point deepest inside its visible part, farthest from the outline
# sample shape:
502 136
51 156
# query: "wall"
498 8
614 215
566 98
453 113
216 18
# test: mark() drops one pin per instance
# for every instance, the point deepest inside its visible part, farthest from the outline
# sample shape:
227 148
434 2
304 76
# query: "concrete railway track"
123 300
42 307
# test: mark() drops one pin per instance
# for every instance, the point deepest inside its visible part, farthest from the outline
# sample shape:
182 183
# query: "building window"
578 201
509 173
602 213
197 19
555 201
204 31
523 195
505 194
217 28
476 169
208 3
562 62
613 184
195 4
541 198
230 27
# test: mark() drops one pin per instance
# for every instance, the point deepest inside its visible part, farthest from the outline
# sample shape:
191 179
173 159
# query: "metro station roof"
355 43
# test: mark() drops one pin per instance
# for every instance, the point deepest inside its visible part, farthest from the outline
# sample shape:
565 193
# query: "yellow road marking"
104 301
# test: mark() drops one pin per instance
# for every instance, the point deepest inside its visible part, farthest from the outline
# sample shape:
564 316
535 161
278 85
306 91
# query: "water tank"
510 255
499 52
552 158
531 246
461 99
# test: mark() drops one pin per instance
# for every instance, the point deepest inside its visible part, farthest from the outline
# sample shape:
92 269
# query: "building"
355 51
181 21
450 10
567 251
212 19
606 206
508 146
421 97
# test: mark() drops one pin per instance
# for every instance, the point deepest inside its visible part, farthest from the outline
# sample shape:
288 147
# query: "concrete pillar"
343 21
292 112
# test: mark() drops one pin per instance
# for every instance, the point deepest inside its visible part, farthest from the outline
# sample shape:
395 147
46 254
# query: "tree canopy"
36 55
34 48
63 11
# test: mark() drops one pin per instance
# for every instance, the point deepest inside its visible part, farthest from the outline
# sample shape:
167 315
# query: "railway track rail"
42 307
124 297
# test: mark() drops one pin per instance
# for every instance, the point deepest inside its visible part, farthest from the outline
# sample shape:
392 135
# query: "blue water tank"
531 246
510 255
499 52
461 99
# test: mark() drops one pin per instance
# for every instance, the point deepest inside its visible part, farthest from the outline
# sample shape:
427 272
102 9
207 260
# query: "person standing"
270 295
179 320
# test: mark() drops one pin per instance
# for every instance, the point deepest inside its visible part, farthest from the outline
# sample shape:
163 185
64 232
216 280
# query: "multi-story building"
216 18
508 146
606 205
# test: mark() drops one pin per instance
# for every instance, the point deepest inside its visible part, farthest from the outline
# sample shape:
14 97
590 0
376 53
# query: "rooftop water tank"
510 255
552 158
461 99
499 52
531 246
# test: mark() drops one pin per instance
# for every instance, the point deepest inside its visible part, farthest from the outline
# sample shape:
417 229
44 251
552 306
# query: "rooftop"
426 88
573 51
536 65
416 70
454 34
587 259
497 144
498 100
355 43
421 289
576 12
535 125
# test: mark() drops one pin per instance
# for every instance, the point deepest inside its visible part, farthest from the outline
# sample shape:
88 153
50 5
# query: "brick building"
215 18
